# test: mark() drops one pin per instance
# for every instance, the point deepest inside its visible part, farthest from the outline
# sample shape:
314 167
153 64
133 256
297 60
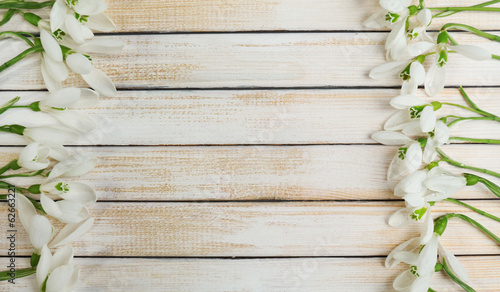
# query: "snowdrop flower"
411 71
57 271
453 263
50 135
436 76
66 211
78 17
70 232
34 157
437 138
406 216
425 186
77 165
73 191
58 102
408 158
38 227
415 116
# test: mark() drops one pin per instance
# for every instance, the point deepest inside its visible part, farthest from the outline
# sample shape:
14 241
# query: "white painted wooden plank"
248 60
248 116
288 274
255 173
262 229
242 15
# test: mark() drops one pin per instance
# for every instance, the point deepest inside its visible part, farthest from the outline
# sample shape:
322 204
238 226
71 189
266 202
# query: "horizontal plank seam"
240 145
282 201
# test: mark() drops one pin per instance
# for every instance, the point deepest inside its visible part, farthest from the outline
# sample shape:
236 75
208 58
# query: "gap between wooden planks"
235 173
290 274
249 60
259 15
260 229
215 117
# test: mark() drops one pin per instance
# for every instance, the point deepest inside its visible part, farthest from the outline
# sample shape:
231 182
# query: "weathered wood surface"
249 60
289 274
236 173
249 116
269 229
260 15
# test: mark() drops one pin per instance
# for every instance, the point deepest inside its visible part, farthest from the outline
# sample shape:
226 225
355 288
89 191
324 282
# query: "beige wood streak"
299 274
248 116
248 15
262 229
256 173
248 60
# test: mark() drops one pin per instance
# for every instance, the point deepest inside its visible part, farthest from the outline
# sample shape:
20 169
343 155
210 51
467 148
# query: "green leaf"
8 104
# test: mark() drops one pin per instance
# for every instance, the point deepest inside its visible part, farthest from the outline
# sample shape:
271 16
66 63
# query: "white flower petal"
25 209
412 128
102 46
404 281
435 80
413 157
427 228
419 48
56 69
414 200
52 84
427 119
425 17
59 279
377 20
442 133
428 257
101 22
409 245
63 256
40 232
50 45
401 218
454 264
43 267
74 166
50 135
80 192
90 7
62 98
75 121
88 98
34 156
391 138
79 63
398 120
472 52
406 101
388 70
100 82
417 73
70 232
395 5
408 257
74 28
57 14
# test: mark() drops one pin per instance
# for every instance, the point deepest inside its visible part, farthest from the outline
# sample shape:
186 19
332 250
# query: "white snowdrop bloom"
66 211
50 135
73 191
95 78
71 231
53 73
437 138
49 43
408 158
436 76
58 102
76 165
407 216
423 186
57 271
38 227
414 117
34 156
453 263
411 71
78 17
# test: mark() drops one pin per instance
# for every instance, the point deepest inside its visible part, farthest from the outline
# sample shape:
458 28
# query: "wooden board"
249 60
269 229
292 274
249 116
256 172
261 15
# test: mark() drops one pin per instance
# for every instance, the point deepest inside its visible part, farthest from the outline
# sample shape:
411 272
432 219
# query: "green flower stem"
475 224
449 13
464 107
457 280
5 275
8 16
25 4
19 35
19 57
481 212
473 140
470 8
471 29
5 168
495 57
461 165
473 179
472 104
39 172
461 119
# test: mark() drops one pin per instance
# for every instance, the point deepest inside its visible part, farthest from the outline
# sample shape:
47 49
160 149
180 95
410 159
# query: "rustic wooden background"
237 155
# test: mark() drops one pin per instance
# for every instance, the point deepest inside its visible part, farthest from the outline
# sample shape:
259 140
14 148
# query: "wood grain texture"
262 229
259 15
299 274
256 173
248 60
248 116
